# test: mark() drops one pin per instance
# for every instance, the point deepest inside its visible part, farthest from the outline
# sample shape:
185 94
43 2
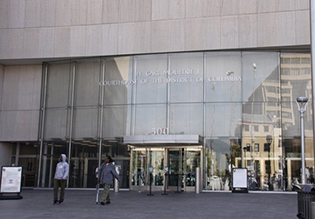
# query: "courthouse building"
161 86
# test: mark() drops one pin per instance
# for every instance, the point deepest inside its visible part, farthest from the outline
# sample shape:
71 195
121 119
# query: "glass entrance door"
142 159
180 161
182 164
176 170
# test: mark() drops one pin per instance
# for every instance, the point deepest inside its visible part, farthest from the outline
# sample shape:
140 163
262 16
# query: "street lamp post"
312 37
244 149
269 141
302 103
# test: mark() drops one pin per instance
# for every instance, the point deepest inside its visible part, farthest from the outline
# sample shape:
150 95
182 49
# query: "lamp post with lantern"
269 141
302 103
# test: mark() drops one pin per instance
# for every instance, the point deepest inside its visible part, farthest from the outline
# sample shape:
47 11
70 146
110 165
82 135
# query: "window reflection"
242 103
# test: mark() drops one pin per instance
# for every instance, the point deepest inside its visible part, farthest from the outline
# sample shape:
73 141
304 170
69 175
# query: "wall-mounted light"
213 86
229 73
254 67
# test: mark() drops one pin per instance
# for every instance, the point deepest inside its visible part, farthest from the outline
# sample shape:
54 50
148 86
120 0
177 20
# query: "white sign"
11 179
240 178
171 76
160 131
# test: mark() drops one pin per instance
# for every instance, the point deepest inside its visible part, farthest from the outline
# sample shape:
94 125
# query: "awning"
163 139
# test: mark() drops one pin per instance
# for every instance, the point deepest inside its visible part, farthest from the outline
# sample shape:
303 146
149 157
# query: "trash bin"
305 198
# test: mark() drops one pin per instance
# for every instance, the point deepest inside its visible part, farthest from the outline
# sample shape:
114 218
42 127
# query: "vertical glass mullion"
42 120
101 113
133 97
168 93
70 106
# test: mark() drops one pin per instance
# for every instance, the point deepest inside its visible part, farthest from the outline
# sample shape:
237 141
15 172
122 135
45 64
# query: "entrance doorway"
148 165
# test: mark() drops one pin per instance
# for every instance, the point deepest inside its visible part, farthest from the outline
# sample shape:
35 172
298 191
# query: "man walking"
107 173
61 174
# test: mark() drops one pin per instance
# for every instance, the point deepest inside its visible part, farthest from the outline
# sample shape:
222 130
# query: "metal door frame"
165 149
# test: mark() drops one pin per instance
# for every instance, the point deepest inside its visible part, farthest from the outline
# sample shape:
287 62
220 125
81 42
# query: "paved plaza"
37 203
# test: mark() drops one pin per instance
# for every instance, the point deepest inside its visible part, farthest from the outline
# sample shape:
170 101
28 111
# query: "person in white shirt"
61 175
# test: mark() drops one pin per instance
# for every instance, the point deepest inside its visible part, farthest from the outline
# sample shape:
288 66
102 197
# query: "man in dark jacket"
107 173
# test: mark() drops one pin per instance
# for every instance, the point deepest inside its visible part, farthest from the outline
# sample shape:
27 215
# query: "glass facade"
242 103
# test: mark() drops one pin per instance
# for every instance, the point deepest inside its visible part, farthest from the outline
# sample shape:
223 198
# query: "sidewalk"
131 204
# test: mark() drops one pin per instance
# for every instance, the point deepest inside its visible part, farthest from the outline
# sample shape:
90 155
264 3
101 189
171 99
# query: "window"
248 148
287 115
286 99
285 71
295 71
285 60
295 61
256 147
305 61
272 103
256 128
246 127
286 91
305 71
272 99
271 89
286 105
266 128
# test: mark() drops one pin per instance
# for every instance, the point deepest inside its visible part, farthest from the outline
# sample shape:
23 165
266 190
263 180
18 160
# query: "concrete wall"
5 154
20 102
5 148
1 82
73 28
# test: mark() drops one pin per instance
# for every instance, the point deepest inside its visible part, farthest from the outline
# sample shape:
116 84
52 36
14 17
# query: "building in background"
161 86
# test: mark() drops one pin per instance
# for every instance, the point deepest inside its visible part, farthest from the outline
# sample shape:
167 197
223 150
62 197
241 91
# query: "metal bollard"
313 209
197 186
116 183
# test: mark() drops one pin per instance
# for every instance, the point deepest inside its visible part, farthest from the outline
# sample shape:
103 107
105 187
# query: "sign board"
11 178
240 178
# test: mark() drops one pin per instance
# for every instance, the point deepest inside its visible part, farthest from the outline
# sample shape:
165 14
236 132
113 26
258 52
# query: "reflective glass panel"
139 168
186 119
157 164
260 76
47 169
87 78
175 164
185 77
223 77
260 119
217 160
58 82
52 150
83 163
116 121
191 162
222 119
149 118
118 81
291 161
295 82
151 77
85 122
28 161
56 123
